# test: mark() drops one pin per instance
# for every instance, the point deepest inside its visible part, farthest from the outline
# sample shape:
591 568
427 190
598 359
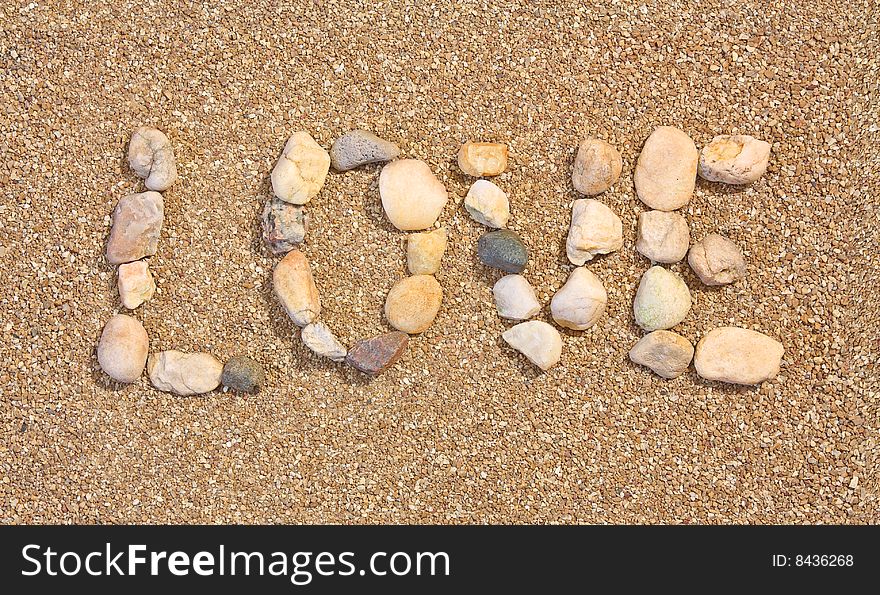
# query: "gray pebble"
243 374
503 250
284 225
360 147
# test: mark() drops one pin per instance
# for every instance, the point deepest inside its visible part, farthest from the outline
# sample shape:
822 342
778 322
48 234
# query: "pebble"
663 236
412 196
137 221
482 159
668 354
597 166
579 303
243 374
150 156
135 283
595 229
123 348
515 298
666 170
717 260
360 147
295 288
424 251
184 374
503 250
662 300
738 356
738 159
536 340
301 170
284 225
377 354
413 303
320 339
487 204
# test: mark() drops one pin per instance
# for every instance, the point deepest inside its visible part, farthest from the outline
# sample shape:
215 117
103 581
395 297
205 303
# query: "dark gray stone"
360 147
243 374
503 250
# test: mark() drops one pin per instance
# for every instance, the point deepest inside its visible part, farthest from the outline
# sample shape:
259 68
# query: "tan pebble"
737 355
151 157
122 350
301 170
595 229
666 170
663 236
537 340
668 354
738 159
184 373
320 339
597 166
295 288
717 260
482 159
137 222
515 298
412 196
579 303
413 303
487 204
135 283
424 251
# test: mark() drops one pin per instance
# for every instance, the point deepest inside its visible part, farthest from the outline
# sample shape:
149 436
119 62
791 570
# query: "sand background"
462 429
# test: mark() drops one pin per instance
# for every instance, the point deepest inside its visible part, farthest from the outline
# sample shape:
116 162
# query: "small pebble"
515 298
487 204
376 354
668 354
503 250
135 283
301 170
413 303
579 303
137 221
412 196
150 156
662 300
595 229
122 349
295 288
284 225
243 374
184 374
536 340
738 159
425 250
738 356
360 147
482 159
717 260
663 236
320 339
666 170
597 166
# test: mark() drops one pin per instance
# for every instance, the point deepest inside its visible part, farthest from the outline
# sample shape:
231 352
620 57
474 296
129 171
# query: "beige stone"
737 159
301 170
184 373
123 348
137 222
487 204
717 260
597 166
666 170
320 339
595 229
579 303
135 283
738 355
662 300
482 159
413 303
536 340
412 196
424 251
515 298
668 354
295 288
151 157
663 236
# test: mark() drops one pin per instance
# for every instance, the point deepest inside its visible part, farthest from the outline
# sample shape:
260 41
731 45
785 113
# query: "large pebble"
536 340
717 260
184 374
738 355
243 374
320 339
412 196
360 147
377 354
579 303
150 156
597 166
595 229
123 348
135 283
137 221
668 354
424 251
503 250
295 288
284 225
487 204
666 171
482 159
738 159
662 300
515 298
663 236
413 303
301 170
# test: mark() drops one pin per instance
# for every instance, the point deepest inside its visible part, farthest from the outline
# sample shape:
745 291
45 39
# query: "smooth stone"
487 204
515 298
301 170
360 147
666 171
150 156
320 339
738 356
536 340
295 288
663 236
377 354
184 374
662 300
668 354
137 221
737 159
135 283
284 225
717 260
595 229
412 196
597 166
503 250
482 159
413 303
424 251
243 374
123 348
579 303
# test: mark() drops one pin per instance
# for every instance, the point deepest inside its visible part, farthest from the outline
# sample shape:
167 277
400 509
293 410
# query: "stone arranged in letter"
666 171
184 374
301 169
482 159
662 300
514 298
717 260
595 229
413 303
503 250
738 355
360 147
536 340
137 221
579 303
135 283
668 354
295 288
377 354
151 157
284 225
412 196
122 350
738 159
596 167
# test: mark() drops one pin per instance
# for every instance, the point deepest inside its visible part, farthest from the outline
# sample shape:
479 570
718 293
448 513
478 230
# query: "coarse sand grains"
461 429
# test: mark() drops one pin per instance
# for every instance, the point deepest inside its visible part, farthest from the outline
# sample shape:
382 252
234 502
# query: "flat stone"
184 374
424 251
503 250
595 229
662 300
137 221
284 225
412 196
377 354
663 236
717 260
360 147
579 303
597 166
320 339
536 340
301 170
135 283
482 159
738 356
413 303
737 159
150 156
515 298
666 170
668 354
243 374
123 348
487 204
295 288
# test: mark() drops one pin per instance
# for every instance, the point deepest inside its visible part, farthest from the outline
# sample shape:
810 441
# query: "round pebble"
123 348
666 171
503 250
412 196
662 300
597 166
243 374
413 303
